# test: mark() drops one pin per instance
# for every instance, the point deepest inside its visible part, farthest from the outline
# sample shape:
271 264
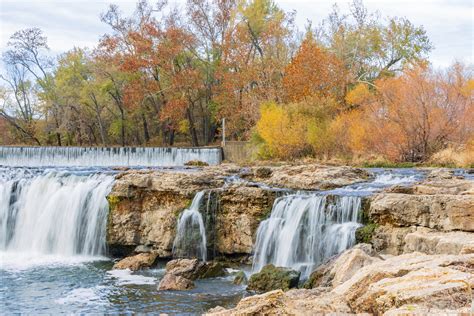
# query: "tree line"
354 84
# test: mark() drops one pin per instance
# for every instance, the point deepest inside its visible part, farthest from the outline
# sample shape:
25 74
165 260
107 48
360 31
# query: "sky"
76 23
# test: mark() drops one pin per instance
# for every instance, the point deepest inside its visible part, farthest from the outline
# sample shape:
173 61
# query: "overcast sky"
69 23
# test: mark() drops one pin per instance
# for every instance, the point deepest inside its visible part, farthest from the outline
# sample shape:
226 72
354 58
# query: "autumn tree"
314 71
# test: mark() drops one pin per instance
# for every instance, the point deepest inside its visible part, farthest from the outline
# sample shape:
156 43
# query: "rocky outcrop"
307 177
137 262
435 216
272 278
440 212
242 208
440 281
145 205
429 282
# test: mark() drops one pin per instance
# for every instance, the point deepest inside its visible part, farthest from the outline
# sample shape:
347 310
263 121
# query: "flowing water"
304 229
190 240
53 251
106 156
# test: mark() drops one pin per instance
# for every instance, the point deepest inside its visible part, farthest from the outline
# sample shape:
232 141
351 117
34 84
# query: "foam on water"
50 218
126 276
85 296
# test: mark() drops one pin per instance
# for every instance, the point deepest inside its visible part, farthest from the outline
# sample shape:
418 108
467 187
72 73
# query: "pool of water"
80 285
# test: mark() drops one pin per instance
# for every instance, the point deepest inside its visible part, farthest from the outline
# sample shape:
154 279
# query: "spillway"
106 156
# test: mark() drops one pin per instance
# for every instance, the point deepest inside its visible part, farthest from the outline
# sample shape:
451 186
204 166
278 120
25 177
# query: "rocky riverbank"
417 254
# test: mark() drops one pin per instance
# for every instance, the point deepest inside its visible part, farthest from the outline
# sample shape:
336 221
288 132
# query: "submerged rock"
137 262
273 278
240 278
172 282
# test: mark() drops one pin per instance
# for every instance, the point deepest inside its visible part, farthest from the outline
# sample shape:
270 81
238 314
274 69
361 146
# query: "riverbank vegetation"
355 86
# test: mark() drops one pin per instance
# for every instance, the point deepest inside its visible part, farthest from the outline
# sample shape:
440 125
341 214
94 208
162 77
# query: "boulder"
171 282
273 278
137 262
240 278
342 267
194 269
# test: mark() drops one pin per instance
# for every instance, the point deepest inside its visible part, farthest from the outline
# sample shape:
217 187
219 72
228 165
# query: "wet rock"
194 269
242 208
137 262
271 278
240 278
364 234
172 282
142 249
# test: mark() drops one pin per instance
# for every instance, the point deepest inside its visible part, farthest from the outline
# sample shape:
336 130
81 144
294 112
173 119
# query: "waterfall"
50 212
305 229
105 156
190 240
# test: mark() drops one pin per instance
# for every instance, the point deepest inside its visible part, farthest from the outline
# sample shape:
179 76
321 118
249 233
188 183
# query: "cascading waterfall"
105 156
305 229
53 212
190 240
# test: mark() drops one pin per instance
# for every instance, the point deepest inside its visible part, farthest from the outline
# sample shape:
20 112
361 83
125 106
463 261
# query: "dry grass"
458 157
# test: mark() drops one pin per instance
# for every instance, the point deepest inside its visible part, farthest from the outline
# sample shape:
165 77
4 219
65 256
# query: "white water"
105 157
305 229
51 216
190 240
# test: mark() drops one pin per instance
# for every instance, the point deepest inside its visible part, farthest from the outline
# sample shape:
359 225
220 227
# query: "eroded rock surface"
429 282
137 262
308 177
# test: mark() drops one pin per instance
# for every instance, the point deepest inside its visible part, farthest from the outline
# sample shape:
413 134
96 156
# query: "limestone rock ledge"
428 282
435 216
145 204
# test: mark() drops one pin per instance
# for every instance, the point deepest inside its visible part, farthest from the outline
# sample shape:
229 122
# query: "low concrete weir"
107 156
